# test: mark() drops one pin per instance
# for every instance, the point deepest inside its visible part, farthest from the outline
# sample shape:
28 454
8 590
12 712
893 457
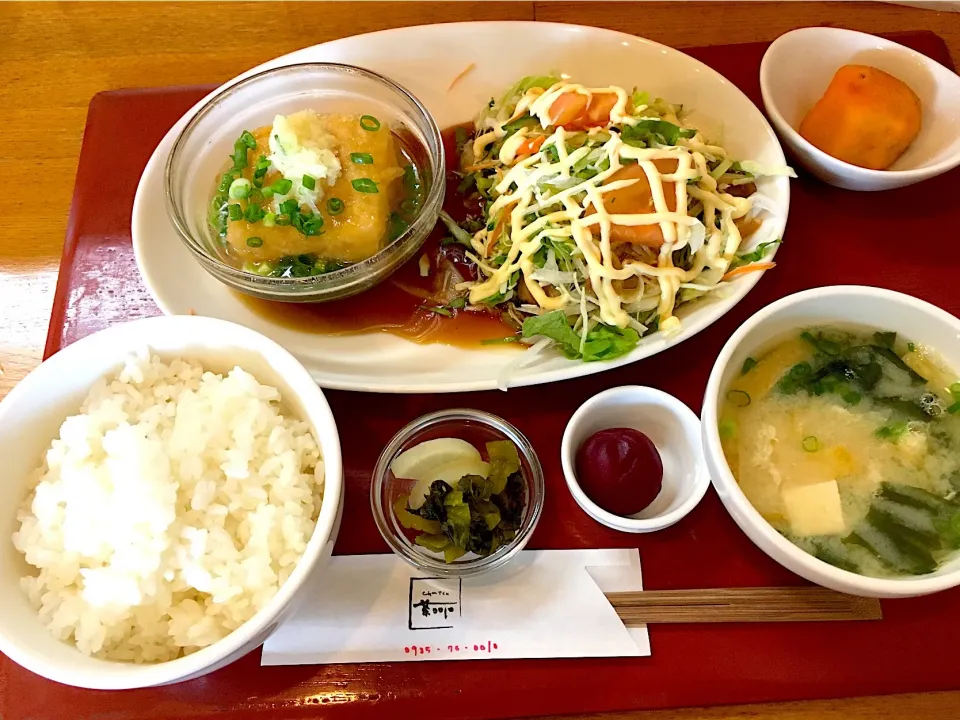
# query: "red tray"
833 237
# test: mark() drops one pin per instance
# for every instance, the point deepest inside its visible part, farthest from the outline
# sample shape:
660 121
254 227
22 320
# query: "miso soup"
848 442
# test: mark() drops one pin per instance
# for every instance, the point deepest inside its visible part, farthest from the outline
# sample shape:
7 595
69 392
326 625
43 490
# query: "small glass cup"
201 149
477 428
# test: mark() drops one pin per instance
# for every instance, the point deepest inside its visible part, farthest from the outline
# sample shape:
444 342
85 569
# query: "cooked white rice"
169 511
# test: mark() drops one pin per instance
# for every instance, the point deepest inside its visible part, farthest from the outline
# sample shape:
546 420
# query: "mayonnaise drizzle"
520 192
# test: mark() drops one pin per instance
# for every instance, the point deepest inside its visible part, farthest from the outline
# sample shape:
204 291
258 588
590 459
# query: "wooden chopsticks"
764 604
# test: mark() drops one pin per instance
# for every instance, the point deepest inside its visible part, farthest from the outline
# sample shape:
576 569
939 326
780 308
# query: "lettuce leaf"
646 132
553 325
604 342
512 96
756 255
531 81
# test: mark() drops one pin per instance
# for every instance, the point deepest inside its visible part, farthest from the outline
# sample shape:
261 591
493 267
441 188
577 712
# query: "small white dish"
30 417
913 319
798 67
673 428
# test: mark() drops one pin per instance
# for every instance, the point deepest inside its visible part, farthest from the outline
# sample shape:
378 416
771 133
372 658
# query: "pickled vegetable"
620 470
478 513
866 117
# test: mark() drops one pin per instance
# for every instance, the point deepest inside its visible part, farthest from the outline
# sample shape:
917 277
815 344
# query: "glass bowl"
477 428
206 142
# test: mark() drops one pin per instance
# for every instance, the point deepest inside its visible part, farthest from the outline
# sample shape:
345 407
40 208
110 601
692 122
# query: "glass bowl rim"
476 566
351 272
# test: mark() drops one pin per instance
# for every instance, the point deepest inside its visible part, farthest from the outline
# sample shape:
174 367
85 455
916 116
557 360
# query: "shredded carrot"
462 75
498 230
529 146
744 269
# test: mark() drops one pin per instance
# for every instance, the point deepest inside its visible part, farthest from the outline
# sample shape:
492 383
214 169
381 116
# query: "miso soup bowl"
869 307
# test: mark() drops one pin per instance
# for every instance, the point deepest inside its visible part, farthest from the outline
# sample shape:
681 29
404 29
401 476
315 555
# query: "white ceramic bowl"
30 417
914 320
673 428
798 67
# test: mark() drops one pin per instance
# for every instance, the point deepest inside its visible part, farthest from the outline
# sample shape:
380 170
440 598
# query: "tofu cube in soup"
814 509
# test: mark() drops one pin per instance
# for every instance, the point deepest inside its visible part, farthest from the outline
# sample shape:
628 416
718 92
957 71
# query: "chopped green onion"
365 185
501 341
369 123
437 310
253 213
457 303
955 390
810 443
270 219
738 398
282 186
748 365
727 429
309 182
308 224
335 206
264 268
248 140
267 193
254 242
361 158
283 220
239 155
289 206
954 409
891 432
239 189
234 211
851 397
911 347
225 181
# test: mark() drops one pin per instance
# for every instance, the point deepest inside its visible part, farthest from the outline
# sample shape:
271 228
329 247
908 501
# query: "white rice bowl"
168 512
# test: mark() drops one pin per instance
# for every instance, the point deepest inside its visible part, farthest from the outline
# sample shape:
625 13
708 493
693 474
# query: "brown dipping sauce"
395 306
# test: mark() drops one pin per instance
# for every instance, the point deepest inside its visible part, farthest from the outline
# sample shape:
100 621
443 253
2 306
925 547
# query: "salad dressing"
595 226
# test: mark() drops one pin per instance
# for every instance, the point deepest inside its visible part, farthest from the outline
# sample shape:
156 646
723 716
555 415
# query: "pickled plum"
620 470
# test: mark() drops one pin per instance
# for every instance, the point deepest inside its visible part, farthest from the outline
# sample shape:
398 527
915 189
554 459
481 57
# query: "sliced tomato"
598 110
637 199
567 108
573 111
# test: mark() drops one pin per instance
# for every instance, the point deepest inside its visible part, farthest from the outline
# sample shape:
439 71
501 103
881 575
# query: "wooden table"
55 56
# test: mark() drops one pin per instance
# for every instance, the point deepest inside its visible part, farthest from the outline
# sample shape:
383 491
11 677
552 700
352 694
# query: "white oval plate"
425 60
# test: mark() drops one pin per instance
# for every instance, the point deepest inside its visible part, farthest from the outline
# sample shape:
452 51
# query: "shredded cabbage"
564 237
